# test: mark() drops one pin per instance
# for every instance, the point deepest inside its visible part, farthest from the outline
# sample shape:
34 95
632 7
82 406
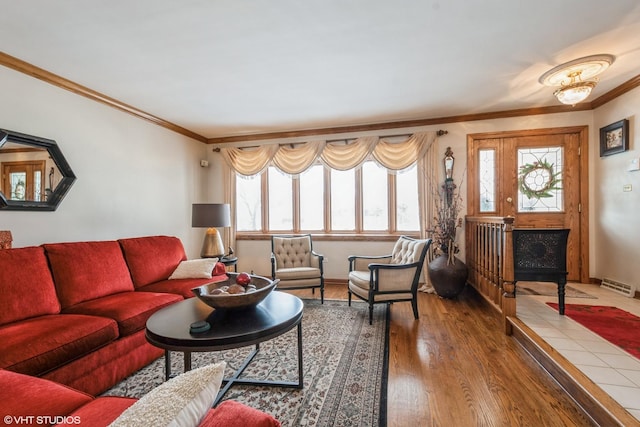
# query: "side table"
229 261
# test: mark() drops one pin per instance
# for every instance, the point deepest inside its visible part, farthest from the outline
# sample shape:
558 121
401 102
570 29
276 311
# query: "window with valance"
296 158
300 185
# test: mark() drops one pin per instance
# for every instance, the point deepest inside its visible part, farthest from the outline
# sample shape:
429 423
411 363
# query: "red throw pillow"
219 269
235 414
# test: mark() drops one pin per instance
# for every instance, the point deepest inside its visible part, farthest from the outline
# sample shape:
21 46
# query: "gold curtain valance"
249 161
296 159
397 156
348 156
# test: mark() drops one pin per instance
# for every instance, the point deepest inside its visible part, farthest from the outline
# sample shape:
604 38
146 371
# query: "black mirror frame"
56 196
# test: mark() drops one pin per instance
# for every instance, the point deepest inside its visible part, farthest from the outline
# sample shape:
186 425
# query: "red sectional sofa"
75 313
26 400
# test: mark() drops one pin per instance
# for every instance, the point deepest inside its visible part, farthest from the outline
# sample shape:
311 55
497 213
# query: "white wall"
254 255
616 214
134 178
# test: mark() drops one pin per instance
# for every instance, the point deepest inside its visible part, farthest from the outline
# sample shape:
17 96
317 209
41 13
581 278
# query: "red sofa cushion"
23 396
151 259
36 346
130 309
87 270
26 285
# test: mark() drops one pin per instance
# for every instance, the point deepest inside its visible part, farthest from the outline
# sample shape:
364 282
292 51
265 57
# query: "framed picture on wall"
614 138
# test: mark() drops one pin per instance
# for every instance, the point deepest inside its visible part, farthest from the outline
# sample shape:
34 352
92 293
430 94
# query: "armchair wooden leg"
349 297
414 305
371 314
322 295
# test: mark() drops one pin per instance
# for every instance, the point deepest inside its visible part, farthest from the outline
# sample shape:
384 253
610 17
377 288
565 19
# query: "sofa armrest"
316 260
23 395
273 266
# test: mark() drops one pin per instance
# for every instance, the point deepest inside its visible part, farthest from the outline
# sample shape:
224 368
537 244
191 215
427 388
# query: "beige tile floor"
613 369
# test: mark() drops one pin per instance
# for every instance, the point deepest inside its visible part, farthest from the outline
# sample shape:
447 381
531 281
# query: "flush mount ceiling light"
576 79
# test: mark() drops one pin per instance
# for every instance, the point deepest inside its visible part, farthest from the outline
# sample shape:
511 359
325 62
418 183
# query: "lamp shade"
210 215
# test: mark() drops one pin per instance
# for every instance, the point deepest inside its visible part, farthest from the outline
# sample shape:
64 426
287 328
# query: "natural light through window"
343 204
280 201
321 200
407 208
248 203
311 200
375 205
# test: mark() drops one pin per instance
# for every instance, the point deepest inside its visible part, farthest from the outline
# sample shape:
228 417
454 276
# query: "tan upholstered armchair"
294 262
389 278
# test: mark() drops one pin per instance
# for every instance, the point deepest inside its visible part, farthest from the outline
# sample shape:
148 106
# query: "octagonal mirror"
35 174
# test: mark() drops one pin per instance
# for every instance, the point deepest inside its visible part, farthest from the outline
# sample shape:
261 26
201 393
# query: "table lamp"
210 216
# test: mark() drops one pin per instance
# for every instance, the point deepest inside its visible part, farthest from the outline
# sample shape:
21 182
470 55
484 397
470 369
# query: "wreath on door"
538 180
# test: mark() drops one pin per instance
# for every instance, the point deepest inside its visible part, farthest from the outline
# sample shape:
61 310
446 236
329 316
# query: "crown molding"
46 76
616 92
403 124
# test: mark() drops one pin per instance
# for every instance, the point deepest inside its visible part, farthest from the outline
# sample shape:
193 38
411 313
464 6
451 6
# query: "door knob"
509 200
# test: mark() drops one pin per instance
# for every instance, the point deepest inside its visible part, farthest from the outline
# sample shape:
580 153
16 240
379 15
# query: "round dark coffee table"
169 329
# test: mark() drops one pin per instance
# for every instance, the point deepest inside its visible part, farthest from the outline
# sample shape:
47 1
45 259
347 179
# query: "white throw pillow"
194 269
182 401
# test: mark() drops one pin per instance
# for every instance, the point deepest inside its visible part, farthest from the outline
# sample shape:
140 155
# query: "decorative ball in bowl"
239 291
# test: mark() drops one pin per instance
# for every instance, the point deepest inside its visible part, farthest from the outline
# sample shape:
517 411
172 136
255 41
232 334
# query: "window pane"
487 180
249 206
375 214
18 184
540 179
312 199
37 185
343 200
280 201
407 211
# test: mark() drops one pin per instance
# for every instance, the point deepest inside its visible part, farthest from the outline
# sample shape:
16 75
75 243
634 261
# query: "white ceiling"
234 67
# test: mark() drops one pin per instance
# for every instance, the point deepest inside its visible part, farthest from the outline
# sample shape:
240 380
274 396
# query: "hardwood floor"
455 367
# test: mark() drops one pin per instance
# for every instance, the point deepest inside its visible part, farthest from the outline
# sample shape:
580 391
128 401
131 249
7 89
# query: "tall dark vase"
447 279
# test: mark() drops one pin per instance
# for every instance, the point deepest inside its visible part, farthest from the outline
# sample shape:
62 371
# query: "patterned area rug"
345 363
611 323
549 289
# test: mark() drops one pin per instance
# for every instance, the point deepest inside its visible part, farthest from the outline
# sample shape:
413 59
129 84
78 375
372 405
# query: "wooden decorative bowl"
263 287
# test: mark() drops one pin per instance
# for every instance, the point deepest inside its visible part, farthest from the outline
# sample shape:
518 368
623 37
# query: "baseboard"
343 282
595 403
